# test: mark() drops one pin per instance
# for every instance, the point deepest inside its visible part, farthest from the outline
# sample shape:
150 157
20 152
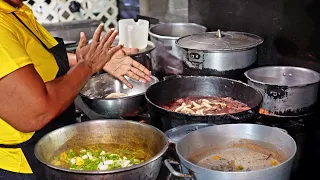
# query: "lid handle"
218 34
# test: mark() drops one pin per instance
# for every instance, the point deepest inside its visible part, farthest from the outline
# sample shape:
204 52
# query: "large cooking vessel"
164 92
219 135
287 91
227 54
131 133
98 87
167 58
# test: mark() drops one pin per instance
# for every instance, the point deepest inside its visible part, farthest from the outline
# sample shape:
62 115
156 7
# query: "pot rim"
241 172
222 50
317 80
154 158
174 24
155 80
205 77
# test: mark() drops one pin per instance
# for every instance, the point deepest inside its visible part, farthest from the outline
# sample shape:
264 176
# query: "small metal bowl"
98 87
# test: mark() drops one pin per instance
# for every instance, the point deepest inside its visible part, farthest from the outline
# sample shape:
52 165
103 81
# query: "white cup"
133 34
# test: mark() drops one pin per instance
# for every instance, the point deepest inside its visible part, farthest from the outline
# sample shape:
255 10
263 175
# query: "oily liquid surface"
240 156
237 159
115 156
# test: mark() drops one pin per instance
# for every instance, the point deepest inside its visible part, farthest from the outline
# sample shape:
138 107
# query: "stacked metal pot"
168 58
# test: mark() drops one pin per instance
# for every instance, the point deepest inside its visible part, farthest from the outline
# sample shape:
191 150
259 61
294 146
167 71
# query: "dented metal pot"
286 90
227 54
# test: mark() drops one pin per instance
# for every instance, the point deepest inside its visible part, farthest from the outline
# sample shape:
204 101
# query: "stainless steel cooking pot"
167 58
98 87
227 54
287 91
131 133
219 135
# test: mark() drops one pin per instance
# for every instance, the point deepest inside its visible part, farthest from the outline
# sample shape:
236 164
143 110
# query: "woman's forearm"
62 91
28 104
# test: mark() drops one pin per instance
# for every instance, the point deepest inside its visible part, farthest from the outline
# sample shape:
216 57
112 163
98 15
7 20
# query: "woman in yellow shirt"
38 87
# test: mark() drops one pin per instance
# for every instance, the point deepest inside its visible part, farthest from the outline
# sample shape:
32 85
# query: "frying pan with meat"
174 88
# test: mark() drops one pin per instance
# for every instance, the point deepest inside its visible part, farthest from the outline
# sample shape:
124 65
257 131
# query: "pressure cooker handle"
168 163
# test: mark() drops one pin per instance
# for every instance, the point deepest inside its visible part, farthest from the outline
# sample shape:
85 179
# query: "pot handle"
168 163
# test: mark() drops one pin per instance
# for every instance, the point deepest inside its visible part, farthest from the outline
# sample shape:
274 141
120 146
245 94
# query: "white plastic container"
133 34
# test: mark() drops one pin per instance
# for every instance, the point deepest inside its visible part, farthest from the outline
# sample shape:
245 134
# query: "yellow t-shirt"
18 48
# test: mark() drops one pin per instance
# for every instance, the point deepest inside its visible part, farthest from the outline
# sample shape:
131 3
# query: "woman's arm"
28 104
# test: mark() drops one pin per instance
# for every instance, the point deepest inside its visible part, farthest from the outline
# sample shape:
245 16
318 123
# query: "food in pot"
238 159
206 106
243 156
116 95
100 157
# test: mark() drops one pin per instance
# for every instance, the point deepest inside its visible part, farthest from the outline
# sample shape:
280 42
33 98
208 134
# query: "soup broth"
99 157
243 155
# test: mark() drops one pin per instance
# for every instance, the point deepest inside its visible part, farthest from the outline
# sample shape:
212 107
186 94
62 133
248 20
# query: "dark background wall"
290 27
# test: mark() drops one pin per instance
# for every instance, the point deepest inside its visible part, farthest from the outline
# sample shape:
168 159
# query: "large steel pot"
286 90
165 92
130 133
70 30
167 58
227 54
219 135
98 87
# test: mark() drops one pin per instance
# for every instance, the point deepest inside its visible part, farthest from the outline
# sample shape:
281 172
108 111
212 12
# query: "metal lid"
220 41
176 134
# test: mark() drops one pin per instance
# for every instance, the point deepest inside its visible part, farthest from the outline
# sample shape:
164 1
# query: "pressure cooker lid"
176 134
220 41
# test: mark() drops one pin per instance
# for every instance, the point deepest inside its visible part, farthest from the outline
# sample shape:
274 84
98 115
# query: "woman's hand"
96 54
121 64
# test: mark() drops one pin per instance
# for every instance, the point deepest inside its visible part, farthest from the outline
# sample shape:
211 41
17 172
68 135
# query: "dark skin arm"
28 104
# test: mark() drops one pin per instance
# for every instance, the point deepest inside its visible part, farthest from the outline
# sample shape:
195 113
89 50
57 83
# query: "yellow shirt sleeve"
12 53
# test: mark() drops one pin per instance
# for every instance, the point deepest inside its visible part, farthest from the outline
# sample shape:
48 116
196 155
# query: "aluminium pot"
227 54
287 91
164 92
167 58
98 87
204 139
123 132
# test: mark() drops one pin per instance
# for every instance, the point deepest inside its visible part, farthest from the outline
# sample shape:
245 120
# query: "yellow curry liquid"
60 159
